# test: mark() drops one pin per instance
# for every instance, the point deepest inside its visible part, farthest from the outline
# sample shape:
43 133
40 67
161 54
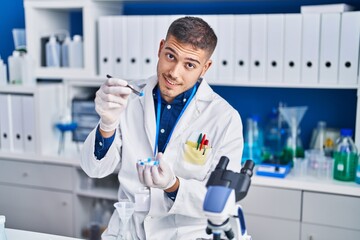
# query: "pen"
202 141
205 144
133 89
198 141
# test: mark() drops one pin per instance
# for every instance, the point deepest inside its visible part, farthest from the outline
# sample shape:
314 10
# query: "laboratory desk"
14 234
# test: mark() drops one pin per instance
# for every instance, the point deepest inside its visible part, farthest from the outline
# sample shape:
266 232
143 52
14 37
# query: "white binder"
292 48
118 46
242 48
310 48
211 76
17 122
258 40
105 37
133 47
225 48
28 113
329 47
162 23
6 142
149 47
349 48
275 47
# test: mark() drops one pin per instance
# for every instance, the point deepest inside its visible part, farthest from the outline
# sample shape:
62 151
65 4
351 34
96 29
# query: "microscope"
225 189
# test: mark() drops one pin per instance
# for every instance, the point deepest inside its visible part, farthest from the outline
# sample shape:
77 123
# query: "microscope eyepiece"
223 162
248 168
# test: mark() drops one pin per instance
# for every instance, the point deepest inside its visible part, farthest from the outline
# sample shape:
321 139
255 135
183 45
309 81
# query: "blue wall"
336 107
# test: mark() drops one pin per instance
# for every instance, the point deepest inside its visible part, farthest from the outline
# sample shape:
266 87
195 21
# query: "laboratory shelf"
109 194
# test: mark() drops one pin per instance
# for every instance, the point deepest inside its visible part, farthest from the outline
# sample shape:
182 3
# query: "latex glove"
160 176
111 99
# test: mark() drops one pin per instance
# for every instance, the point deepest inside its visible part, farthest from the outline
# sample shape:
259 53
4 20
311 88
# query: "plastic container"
19 36
345 157
52 52
2 228
318 164
65 52
3 73
76 55
15 68
253 141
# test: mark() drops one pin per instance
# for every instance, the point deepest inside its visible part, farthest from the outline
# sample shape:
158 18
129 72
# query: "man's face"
179 67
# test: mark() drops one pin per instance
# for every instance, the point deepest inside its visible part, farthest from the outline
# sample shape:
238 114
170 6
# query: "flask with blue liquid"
345 157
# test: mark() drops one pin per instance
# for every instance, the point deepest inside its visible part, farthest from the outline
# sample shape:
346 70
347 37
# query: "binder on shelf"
275 47
349 48
326 8
133 47
17 122
258 40
292 48
211 76
242 48
105 37
162 23
28 113
224 44
310 48
118 44
329 47
149 47
5 123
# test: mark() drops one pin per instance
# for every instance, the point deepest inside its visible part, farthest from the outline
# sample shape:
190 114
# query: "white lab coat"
182 219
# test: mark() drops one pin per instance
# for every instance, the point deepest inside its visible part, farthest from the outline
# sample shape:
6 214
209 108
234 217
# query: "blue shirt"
168 116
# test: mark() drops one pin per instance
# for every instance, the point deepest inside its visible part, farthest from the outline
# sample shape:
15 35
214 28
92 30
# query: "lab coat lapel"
197 105
147 103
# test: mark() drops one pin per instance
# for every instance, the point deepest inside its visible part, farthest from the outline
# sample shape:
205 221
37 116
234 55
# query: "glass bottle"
345 157
2 228
253 141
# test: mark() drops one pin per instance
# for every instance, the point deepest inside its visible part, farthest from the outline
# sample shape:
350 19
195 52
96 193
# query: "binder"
28 113
211 75
292 48
242 48
5 123
275 47
105 36
118 46
329 47
162 23
310 48
258 39
225 45
133 47
17 122
349 48
149 47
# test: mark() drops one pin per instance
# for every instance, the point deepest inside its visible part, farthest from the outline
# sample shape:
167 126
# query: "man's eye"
190 65
170 56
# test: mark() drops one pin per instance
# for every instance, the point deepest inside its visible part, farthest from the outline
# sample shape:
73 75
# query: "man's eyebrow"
173 51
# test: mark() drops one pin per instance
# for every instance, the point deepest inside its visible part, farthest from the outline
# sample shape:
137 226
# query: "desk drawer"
36 174
273 202
331 210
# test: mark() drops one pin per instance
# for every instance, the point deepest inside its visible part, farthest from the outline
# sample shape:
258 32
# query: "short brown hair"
194 31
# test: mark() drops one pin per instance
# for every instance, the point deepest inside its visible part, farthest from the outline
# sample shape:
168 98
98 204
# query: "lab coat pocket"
195 155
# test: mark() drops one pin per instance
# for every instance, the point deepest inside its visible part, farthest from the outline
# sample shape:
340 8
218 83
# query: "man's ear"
206 67
161 46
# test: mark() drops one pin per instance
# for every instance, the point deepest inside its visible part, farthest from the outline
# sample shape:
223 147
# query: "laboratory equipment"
19 37
76 52
225 189
64 126
2 227
125 210
52 49
318 164
131 87
345 157
357 178
272 138
65 52
324 138
84 114
151 161
15 67
3 73
293 148
253 141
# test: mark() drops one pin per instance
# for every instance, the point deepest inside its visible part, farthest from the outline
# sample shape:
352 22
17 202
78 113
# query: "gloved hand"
111 99
160 176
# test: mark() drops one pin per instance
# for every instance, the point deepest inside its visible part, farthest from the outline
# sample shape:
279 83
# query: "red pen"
202 141
205 144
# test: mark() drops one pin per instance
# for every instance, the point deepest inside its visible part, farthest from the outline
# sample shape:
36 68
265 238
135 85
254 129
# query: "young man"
180 120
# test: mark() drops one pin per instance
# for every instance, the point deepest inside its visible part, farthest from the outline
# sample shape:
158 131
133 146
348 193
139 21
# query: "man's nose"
175 71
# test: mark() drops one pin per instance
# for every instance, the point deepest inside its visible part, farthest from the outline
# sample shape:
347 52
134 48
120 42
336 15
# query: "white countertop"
14 234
